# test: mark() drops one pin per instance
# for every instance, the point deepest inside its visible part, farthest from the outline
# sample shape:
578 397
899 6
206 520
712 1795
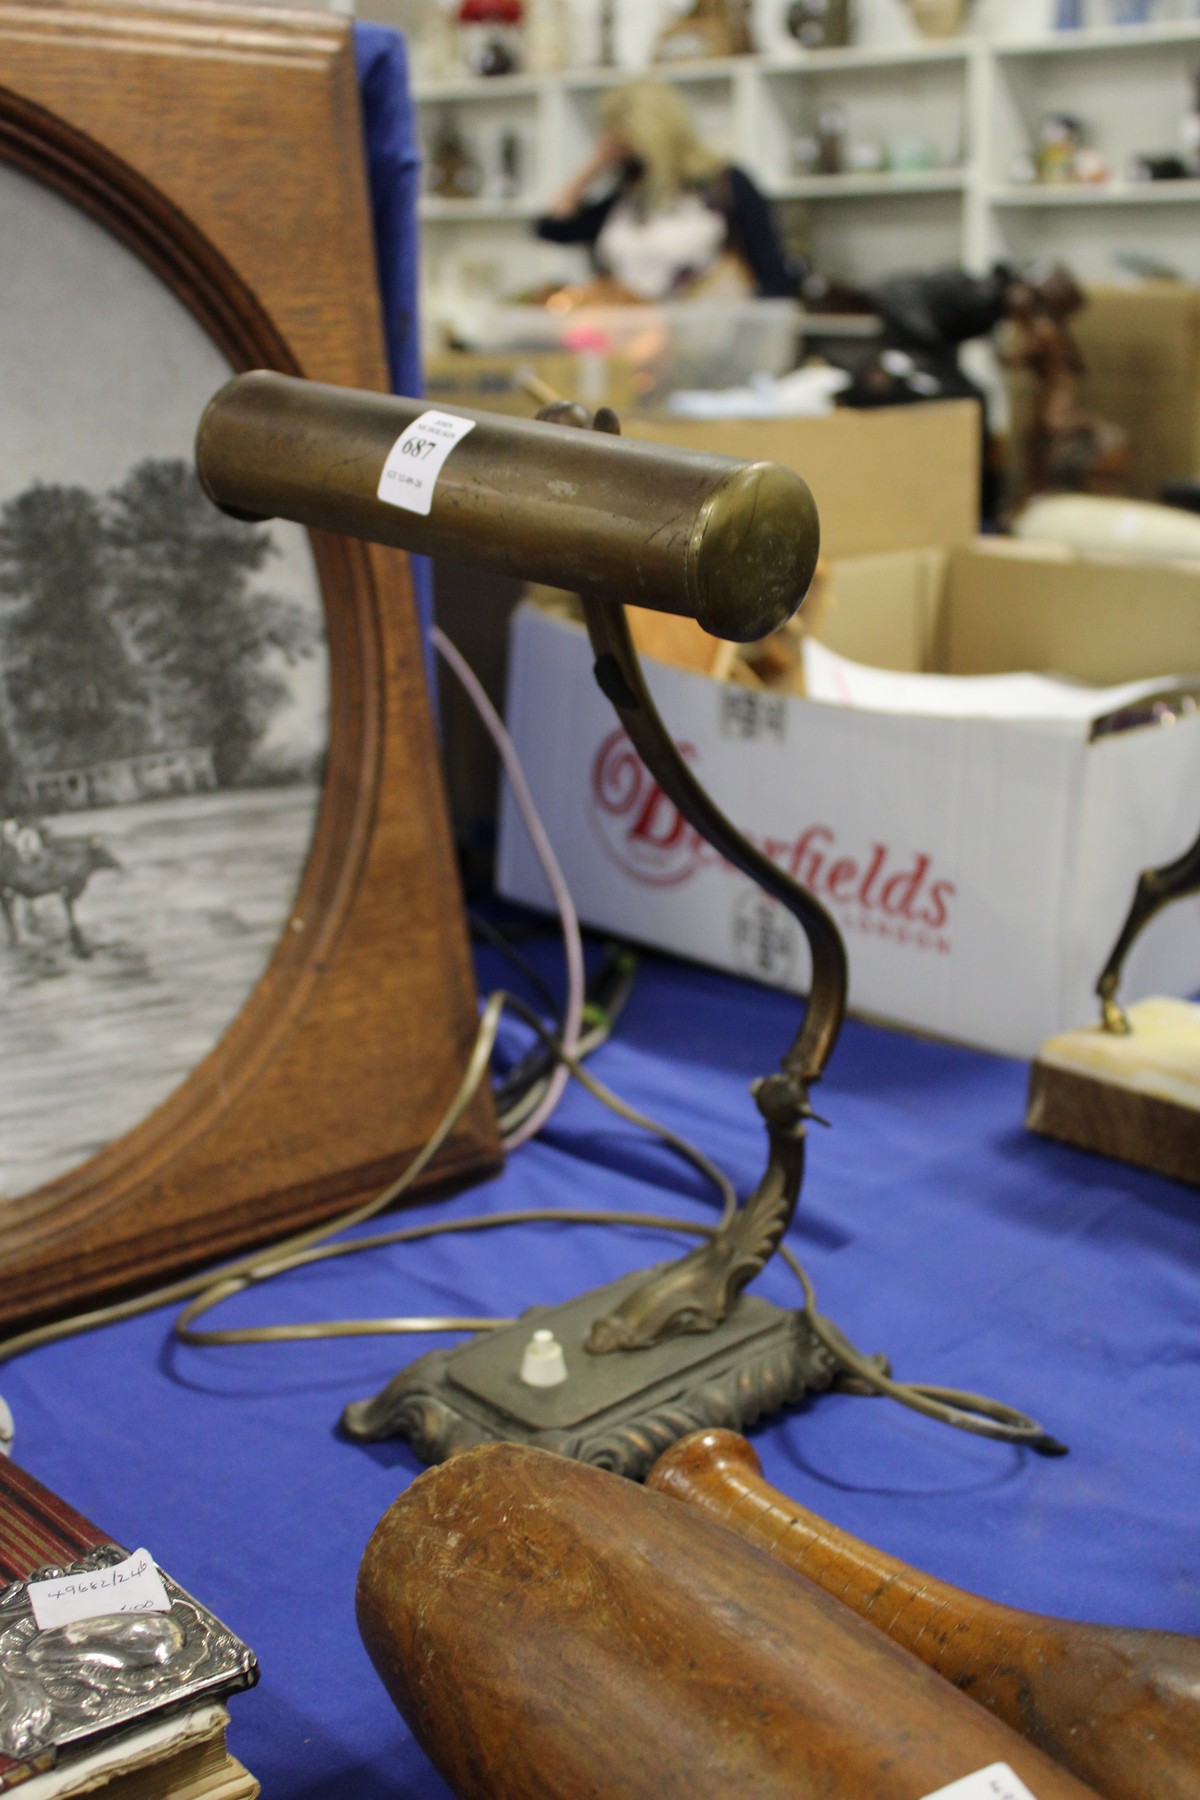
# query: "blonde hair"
652 119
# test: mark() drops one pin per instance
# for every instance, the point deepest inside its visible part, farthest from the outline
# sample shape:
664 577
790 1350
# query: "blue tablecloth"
934 1228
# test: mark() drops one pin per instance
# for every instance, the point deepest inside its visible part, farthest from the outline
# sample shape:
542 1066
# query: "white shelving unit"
976 103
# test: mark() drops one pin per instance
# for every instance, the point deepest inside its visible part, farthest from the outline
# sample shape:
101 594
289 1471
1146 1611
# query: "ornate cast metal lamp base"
617 1411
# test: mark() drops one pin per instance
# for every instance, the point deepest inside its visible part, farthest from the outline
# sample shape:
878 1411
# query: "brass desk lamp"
734 545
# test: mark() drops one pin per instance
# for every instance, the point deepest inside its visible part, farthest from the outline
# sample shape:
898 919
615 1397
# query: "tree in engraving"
73 692
210 643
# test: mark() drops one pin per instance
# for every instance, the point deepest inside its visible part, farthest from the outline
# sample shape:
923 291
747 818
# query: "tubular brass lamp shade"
731 544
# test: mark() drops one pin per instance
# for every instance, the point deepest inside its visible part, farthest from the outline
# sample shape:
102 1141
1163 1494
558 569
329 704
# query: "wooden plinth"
1136 1098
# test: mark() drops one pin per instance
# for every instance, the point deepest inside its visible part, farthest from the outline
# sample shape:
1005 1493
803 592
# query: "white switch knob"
543 1364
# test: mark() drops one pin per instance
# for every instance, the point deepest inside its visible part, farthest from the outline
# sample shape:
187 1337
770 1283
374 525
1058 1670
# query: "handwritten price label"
134 1585
415 460
996 1783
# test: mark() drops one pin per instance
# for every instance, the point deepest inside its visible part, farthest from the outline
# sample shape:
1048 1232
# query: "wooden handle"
1119 1708
552 1632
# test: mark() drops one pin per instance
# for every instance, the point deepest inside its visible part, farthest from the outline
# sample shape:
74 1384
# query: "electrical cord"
961 1410
311 1246
499 941
965 1411
572 941
605 998
956 1407
298 1242
292 1256
231 1277
607 994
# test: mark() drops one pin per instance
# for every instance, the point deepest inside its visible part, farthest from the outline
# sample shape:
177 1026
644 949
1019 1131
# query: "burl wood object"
223 145
1119 1708
552 1632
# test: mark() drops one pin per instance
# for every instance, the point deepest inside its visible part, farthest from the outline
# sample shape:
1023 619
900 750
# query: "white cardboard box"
979 869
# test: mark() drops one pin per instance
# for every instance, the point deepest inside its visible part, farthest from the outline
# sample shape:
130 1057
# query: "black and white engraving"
163 701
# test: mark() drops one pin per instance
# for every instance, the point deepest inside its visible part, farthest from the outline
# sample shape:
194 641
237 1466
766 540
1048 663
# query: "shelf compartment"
715 68
864 58
432 209
884 185
474 89
1110 193
1102 40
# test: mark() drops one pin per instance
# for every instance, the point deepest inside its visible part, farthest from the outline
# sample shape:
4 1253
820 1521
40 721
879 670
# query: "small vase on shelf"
490 32
819 24
938 18
607 47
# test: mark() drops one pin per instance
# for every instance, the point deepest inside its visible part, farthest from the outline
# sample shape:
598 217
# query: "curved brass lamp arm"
1156 889
696 1292
619 675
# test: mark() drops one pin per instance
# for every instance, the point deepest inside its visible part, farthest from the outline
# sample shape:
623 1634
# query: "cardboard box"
1141 350
905 476
495 383
979 868
893 479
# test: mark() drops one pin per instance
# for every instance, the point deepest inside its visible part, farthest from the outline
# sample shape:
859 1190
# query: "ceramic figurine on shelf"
831 139
1059 144
706 28
938 18
512 159
1069 15
1133 12
819 24
454 174
741 24
490 31
608 34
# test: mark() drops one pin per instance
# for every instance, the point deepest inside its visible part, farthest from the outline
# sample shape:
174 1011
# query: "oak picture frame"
344 1056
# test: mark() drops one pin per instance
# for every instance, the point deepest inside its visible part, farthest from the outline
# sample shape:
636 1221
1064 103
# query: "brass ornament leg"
1156 889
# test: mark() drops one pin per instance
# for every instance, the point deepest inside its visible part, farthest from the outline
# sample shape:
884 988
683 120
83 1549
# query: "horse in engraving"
33 864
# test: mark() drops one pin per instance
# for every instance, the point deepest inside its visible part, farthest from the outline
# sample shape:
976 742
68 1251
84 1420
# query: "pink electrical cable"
544 850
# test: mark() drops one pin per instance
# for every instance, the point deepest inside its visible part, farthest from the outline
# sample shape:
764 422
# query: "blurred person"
677 219
25 840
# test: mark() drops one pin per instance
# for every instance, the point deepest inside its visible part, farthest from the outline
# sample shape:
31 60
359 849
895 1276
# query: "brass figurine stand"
1129 1087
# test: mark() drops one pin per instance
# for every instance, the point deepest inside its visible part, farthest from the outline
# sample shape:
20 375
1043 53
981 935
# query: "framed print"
234 973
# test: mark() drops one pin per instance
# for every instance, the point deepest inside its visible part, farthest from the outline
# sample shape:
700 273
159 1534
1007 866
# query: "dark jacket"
749 227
